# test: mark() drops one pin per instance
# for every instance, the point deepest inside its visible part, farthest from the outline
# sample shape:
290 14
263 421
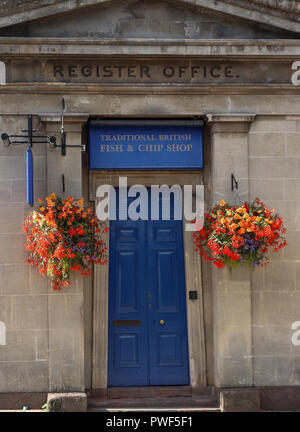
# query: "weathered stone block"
67 402
12 167
5 190
268 189
233 372
239 400
271 124
19 190
12 249
31 312
272 340
15 279
34 376
292 144
20 346
9 376
66 311
265 371
66 377
280 276
38 282
275 307
273 167
267 144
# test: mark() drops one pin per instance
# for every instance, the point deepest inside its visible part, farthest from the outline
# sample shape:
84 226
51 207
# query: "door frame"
193 279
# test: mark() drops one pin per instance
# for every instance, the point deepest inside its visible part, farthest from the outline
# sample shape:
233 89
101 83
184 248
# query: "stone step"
167 403
148 392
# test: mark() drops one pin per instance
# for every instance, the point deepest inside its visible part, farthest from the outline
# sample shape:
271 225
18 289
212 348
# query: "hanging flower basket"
232 235
64 237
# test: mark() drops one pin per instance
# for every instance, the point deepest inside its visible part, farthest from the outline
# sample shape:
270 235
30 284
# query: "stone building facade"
232 64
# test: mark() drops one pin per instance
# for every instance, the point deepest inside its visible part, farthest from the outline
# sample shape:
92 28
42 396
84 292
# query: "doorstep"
149 392
171 398
185 404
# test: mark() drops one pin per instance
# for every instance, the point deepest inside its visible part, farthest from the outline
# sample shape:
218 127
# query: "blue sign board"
145 147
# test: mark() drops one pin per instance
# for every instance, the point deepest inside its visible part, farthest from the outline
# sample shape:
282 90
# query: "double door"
147 343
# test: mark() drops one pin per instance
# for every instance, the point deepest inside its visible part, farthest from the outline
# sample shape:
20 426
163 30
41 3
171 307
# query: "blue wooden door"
147 339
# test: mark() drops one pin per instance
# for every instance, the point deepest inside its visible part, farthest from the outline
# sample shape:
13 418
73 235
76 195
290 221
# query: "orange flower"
237 216
51 197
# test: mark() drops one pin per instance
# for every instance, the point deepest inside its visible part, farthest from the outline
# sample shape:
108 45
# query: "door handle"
161 322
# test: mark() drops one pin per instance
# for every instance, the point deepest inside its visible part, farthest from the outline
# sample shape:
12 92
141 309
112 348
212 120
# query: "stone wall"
274 171
24 360
44 329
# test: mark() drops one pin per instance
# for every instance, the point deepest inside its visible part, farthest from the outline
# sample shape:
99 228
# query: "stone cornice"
95 89
68 117
229 122
85 48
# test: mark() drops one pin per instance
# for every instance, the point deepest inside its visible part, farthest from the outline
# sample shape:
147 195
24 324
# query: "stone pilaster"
231 293
66 308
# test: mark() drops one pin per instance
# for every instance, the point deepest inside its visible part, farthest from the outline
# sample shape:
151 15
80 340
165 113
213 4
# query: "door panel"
128 345
168 345
147 304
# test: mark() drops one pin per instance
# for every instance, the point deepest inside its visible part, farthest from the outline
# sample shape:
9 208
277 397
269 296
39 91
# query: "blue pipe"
30 192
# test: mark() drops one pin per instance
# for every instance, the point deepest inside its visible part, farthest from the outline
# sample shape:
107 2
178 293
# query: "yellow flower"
52 196
213 216
222 203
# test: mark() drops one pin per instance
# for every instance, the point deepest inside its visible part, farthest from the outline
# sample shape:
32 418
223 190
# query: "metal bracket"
28 137
234 183
63 139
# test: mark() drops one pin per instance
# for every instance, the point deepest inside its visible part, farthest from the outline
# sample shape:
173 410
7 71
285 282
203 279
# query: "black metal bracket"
63 141
234 183
29 137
